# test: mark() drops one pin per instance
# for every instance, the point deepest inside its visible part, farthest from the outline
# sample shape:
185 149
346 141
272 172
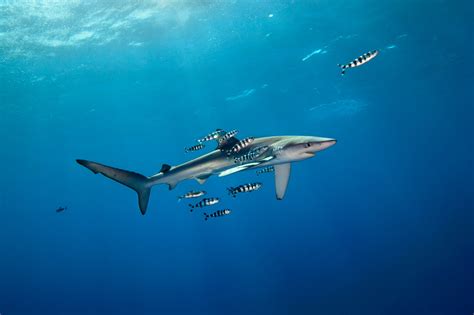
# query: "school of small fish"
239 154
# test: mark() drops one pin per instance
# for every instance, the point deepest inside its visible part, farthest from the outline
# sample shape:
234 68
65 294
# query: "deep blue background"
381 223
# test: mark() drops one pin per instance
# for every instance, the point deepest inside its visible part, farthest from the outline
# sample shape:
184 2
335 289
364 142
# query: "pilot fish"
218 213
267 169
233 191
194 148
204 203
212 136
240 145
192 194
252 155
228 135
358 61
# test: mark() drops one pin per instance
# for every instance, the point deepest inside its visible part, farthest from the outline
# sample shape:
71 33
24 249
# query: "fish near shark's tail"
138 182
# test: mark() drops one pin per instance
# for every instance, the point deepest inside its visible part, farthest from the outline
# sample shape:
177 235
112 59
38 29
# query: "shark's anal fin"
282 176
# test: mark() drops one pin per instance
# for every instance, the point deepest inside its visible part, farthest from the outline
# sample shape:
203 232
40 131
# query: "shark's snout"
323 144
328 143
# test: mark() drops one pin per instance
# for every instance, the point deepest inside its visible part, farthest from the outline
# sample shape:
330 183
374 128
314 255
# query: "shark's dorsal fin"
165 168
202 179
282 176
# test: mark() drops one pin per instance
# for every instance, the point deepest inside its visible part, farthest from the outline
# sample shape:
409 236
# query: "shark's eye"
307 145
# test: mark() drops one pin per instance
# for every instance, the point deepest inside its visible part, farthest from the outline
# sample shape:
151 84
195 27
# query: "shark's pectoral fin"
282 176
202 179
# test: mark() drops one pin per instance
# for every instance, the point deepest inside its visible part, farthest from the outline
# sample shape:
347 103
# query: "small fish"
192 194
204 203
358 61
240 145
228 135
61 209
212 136
264 170
252 155
218 213
233 191
196 147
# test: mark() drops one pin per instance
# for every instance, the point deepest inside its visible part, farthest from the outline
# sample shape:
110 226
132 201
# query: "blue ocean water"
381 223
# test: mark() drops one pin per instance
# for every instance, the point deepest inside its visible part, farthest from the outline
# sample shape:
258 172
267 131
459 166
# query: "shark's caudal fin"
136 181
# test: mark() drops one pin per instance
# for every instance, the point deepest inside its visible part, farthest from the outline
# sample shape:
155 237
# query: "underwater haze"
380 223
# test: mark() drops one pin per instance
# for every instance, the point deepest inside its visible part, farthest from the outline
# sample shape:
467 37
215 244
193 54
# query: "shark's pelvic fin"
282 176
202 179
136 181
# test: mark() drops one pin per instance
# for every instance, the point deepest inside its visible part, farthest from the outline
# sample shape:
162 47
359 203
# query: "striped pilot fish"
192 194
218 213
358 61
233 191
212 136
252 155
204 203
264 170
196 147
228 135
240 145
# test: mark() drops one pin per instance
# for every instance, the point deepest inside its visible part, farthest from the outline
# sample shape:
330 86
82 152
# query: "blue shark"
280 152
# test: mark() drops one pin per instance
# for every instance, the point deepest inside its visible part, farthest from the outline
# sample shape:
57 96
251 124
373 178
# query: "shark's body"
282 150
